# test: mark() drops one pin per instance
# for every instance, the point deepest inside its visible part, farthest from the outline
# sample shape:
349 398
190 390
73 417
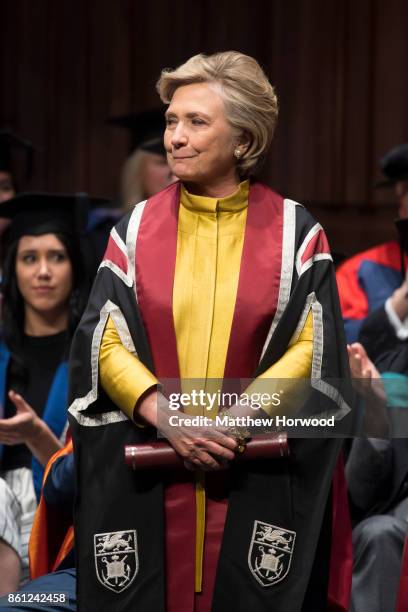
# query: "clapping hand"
21 428
26 427
367 381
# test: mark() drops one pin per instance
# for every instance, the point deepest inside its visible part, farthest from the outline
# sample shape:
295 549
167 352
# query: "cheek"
170 163
221 145
23 279
221 153
167 140
65 280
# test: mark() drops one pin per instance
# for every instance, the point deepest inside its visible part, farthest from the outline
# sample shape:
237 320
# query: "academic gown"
285 275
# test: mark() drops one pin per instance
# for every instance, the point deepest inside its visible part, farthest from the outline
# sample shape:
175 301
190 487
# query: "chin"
44 306
188 175
184 172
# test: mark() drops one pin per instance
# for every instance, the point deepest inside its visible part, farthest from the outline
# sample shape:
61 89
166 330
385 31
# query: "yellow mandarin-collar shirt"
209 248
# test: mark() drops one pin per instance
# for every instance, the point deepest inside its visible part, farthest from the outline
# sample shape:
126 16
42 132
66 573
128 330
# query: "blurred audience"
368 279
16 163
377 475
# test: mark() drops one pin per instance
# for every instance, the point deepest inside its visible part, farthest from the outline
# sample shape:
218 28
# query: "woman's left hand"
21 428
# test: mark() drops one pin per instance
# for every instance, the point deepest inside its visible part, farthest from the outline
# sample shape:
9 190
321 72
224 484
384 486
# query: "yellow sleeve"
122 376
287 376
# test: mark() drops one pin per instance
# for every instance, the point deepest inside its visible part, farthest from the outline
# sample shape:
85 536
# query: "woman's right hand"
26 427
22 427
367 381
206 448
362 368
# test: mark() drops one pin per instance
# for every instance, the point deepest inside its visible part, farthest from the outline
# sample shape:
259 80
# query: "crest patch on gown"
116 559
270 553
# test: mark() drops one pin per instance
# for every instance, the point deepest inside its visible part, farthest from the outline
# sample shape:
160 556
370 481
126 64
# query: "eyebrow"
34 250
189 115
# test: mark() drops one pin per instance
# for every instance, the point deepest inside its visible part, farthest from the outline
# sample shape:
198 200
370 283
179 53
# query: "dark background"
339 66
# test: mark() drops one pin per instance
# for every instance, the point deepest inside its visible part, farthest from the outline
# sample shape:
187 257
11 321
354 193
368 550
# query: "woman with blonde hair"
143 174
146 171
216 278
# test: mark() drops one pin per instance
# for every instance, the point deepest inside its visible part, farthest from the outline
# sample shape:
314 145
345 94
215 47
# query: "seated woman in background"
43 292
144 173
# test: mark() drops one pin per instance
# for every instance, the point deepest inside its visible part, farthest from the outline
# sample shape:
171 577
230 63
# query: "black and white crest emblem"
116 559
270 553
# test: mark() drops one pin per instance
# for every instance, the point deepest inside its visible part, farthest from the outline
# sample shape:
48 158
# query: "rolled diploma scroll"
160 455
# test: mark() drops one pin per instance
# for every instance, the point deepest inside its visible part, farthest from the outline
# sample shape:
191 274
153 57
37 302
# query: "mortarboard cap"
11 149
42 213
146 129
395 166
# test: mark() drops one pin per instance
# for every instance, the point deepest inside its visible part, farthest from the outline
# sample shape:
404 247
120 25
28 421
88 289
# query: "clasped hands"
207 448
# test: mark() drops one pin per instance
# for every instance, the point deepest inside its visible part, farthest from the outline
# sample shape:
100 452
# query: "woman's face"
44 273
6 186
156 174
401 192
198 139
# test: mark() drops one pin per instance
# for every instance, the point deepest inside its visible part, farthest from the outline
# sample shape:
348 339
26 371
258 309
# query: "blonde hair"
250 101
131 180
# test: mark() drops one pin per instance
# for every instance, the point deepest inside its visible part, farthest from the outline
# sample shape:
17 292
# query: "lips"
43 289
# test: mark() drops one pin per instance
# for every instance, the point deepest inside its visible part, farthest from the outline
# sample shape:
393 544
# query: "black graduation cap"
146 129
395 166
10 145
42 213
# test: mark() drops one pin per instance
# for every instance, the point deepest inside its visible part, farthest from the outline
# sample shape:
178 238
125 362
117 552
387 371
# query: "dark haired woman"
42 287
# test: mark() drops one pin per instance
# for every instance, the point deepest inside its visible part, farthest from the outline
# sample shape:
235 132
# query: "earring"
237 153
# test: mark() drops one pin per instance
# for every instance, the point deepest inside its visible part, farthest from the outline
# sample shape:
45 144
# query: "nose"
179 136
44 269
